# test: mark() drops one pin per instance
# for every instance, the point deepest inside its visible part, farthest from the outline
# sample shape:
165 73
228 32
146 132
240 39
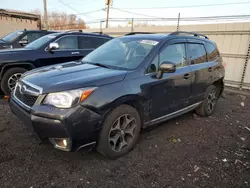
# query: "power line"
73 9
211 18
191 6
135 13
68 6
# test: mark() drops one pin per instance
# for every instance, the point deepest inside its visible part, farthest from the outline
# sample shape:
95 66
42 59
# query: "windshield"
12 36
124 53
41 41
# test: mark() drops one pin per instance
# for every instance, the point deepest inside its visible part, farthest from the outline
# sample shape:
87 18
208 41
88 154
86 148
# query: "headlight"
67 99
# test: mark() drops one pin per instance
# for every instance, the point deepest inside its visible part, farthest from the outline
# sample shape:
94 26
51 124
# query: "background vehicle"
19 39
109 97
48 50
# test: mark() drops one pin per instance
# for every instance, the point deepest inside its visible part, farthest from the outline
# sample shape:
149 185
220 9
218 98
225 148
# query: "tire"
7 75
206 108
111 139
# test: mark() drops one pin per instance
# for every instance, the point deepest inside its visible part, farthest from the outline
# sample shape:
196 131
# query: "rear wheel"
10 77
120 131
208 106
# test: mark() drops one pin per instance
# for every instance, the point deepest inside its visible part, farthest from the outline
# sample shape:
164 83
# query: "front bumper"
78 124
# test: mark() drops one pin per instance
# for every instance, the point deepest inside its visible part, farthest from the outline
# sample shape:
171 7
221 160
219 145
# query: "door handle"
73 53
186 76
210 69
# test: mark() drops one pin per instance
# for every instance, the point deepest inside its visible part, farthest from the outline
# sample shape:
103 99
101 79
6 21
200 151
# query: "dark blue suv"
126 85
48 50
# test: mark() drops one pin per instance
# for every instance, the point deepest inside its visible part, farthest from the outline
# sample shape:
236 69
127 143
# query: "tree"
62 20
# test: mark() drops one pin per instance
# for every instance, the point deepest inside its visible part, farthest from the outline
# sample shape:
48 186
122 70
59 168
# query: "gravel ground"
188 151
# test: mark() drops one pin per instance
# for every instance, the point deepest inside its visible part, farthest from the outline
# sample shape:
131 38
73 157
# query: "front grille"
25 98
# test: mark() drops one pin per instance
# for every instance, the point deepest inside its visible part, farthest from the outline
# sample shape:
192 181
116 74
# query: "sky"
142 7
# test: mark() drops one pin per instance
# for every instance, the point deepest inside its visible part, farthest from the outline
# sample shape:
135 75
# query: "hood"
12 55
72 75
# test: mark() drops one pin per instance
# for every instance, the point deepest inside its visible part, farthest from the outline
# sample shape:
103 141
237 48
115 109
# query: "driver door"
170 93
68 51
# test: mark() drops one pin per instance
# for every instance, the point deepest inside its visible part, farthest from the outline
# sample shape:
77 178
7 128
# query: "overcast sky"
82 6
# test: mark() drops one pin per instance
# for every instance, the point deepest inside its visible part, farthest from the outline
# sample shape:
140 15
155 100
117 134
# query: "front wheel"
120 131
10 78
209 103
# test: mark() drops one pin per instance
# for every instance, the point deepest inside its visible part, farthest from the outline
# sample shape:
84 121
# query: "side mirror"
53 46
166 67
23 42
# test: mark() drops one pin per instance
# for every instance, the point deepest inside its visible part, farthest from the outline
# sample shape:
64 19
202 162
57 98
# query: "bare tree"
62 21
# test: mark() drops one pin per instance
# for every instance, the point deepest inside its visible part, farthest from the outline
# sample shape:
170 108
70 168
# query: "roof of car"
159 37
84 33
148 36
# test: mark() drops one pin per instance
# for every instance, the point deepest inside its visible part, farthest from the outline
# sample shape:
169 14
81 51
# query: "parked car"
51 49
20 38
126 85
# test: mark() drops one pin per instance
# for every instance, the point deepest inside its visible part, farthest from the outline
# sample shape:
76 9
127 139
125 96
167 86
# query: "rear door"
201 69
89 43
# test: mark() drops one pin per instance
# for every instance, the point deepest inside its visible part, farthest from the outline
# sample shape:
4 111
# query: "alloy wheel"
122 132
211 100
13 80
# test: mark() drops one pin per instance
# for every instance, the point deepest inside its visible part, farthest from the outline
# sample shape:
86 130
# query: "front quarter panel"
108 97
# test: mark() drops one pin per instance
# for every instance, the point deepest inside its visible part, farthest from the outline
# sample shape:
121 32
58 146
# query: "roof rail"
69 31
100 32
136 33
188 33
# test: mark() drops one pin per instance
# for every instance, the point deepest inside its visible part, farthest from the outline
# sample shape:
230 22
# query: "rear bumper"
78 124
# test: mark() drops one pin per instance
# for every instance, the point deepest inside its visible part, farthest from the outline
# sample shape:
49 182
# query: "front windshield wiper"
99 64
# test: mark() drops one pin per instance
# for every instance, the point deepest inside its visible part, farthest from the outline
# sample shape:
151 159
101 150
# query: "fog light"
61 143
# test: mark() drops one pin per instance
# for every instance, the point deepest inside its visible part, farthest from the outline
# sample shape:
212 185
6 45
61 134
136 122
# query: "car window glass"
122 53
174 53
30 37
12 36
153 67
197 53
68 42
91 42
212 52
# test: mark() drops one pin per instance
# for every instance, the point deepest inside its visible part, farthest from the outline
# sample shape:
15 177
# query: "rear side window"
197 53
86 42
212 52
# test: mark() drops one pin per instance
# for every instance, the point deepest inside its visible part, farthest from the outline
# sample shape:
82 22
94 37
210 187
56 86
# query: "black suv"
125 85
20 38
50 49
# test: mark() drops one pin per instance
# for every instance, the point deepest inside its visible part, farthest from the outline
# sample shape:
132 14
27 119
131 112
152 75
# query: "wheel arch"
138 102
220 85
26 65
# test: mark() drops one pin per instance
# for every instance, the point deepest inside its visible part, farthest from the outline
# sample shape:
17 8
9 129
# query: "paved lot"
185 152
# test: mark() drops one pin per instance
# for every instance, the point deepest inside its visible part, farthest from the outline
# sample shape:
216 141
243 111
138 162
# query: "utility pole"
108 3
45 14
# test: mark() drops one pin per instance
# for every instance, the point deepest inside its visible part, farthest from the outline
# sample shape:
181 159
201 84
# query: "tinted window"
91 42
68 42
30 37
197 53
212 52
174 53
